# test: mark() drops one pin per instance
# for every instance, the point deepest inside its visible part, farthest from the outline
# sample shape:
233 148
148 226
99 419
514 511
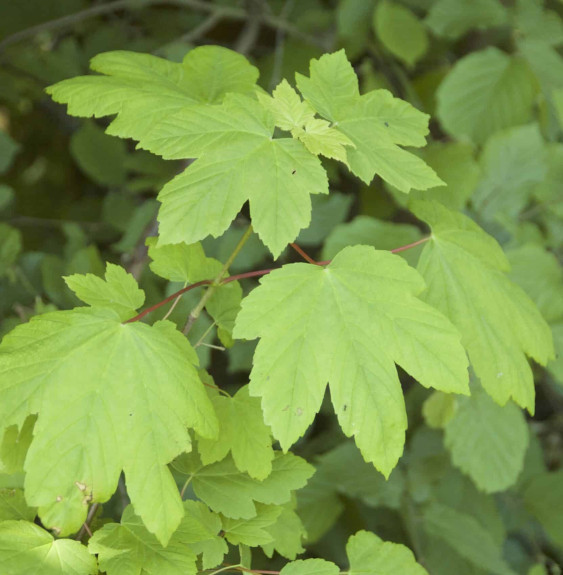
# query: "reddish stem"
305 256
409 246
168 299
245 275
253 274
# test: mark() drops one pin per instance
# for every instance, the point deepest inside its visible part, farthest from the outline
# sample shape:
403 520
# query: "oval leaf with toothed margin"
376 123
369 555
26 548
486 441
233 493
241 432
310 567
485 92
347 324
400 31
465 270
466 536
110 397
144 90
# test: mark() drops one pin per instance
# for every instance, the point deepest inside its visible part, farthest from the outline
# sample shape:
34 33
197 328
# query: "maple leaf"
347 324
376 123
110 397
239 160
143 90
465 270
26 548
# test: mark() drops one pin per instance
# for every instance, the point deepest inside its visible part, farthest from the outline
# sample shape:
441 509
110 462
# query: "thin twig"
212 346
409 246
65 21
86 525
247 38
280 46
205 334
168 299
304 255
173 305
199 31
110 7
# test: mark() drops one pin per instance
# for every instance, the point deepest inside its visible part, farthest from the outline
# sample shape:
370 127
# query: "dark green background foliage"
479 488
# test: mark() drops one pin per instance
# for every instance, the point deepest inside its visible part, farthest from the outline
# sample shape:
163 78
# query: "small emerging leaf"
118 292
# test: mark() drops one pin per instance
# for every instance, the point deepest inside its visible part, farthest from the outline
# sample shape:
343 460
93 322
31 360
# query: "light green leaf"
241 432
214 548
485 92
376 123
181 262
145 90
467 537
347 324
310 567
233 493
14 506
438 409
454 18
465 271
320 138
486 441
119 291
127 548
241 162
287 107
188 263
98 155
544 499
369 555
287 534
10 247
82 438
253 531
539 273
26 548
14 446
400 31
513 162
224 305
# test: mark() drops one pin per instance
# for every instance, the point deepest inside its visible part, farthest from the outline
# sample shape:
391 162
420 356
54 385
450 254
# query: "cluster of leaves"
169 452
